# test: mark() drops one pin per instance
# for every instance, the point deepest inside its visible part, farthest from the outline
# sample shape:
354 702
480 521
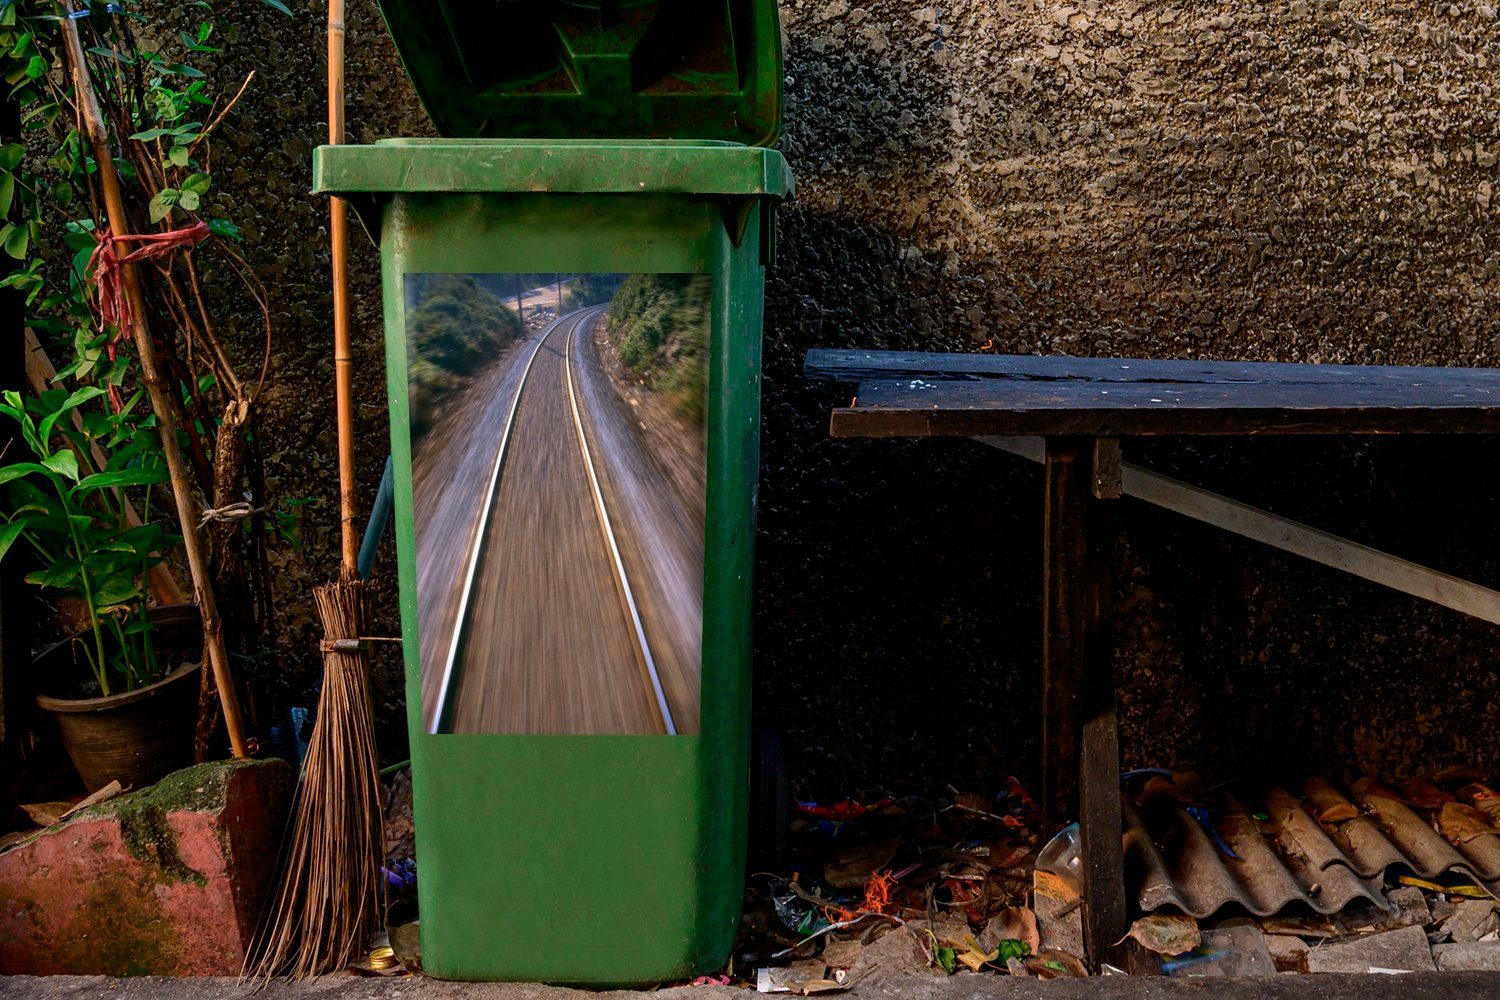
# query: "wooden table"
1081 408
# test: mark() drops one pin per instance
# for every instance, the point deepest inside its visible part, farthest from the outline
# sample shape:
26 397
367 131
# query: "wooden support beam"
1282 533
1080 738
1064 626
1100 827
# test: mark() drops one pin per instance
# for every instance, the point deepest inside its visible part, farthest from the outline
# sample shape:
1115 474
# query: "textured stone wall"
1307 180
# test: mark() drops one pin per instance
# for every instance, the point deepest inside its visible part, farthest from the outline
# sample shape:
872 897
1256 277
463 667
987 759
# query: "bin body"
583 857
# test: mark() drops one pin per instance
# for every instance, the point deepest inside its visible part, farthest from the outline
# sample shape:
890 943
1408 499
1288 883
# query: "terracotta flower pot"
136 736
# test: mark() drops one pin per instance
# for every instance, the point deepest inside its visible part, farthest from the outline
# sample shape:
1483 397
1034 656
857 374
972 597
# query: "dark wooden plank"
929 408
861 366
1099 823
1065 590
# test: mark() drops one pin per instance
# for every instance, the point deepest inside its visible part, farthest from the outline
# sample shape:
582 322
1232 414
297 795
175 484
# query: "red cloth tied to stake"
108 267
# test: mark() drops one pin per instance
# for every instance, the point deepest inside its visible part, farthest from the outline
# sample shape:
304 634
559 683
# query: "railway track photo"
558 486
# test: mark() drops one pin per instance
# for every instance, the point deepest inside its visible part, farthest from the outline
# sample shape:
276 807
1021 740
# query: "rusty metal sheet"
1322 850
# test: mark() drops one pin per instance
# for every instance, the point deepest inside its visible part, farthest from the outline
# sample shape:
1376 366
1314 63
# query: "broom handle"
161 400
343 361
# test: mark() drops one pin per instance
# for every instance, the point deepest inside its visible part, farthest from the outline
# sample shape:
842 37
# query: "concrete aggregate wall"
1309 180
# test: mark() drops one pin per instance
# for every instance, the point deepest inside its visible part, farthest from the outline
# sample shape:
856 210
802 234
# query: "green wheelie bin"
572 291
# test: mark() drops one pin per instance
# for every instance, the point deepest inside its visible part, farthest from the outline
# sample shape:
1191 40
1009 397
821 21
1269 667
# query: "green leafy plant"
208 311
79 523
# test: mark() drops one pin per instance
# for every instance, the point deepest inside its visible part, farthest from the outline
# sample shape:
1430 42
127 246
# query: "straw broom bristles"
331 892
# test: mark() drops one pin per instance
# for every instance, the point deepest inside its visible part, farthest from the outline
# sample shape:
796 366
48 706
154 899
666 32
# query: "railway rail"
567 327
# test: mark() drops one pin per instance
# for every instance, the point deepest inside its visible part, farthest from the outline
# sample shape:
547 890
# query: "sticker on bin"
558 485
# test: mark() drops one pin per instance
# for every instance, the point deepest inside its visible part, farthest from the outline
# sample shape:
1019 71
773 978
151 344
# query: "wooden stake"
161 399
343 360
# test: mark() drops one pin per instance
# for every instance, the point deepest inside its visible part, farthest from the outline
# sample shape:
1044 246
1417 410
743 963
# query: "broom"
329 900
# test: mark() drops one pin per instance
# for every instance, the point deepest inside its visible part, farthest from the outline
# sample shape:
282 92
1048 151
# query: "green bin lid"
649 69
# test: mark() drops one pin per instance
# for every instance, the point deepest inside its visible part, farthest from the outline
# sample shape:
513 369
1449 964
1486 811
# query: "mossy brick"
165 881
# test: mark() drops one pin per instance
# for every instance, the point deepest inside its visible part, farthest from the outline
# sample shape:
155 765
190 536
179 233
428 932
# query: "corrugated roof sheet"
1322 850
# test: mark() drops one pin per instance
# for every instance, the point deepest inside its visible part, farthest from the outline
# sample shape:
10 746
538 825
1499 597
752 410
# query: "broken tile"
1288 953
1404 950
1472 920
1408 907
1470 956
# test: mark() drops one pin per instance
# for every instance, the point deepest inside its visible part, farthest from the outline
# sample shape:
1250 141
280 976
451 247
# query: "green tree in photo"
661 323
454 326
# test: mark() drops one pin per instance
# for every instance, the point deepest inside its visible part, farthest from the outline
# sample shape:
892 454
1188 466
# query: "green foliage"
76 522
454 326
157 97
661 324
160 110
589 290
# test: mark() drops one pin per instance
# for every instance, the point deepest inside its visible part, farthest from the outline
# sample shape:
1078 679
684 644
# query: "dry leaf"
1460 823
1017 923
1484 798
1326 804
1166 933
45 813
109 791
1052 964
1424 794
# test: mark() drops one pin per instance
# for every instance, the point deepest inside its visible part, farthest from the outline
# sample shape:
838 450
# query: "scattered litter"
1373 879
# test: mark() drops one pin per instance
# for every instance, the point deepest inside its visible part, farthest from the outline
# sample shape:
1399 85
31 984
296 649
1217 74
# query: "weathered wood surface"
927 395
863 366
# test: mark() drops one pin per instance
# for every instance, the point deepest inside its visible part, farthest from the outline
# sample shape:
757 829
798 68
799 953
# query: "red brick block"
166 881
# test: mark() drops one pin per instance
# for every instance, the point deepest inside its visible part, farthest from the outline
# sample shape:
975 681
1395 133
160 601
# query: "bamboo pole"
161 399
343 360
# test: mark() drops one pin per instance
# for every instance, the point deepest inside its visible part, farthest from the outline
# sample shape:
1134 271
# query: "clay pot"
136 737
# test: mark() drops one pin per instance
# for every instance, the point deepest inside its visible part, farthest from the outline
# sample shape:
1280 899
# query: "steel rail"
632 612
460 624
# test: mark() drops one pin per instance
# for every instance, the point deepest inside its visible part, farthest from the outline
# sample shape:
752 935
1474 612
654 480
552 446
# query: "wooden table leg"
1081 760
1064 586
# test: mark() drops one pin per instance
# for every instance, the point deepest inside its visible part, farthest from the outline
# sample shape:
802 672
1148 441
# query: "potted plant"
121 689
